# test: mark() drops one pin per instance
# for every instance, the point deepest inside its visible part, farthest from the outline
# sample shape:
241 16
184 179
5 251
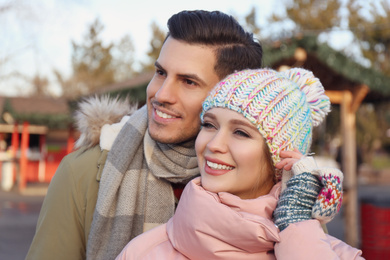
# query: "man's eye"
160 72
190 82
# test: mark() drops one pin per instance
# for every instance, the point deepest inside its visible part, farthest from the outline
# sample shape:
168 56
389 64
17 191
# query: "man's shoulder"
85 162
84 154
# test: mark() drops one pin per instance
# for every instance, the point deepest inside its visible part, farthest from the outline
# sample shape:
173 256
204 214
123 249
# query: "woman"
252 121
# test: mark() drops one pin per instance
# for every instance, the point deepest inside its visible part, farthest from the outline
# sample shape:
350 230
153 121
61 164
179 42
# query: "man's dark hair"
235 49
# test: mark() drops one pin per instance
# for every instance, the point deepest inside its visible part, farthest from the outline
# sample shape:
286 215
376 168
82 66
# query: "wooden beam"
349 103
348 128
42 157
335 96
23 156
33 129
359 93
14 149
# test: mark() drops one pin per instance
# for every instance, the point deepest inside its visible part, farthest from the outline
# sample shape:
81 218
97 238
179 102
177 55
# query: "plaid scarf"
135 192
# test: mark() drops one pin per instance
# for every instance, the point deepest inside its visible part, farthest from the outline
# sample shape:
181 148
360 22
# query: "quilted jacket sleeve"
307 240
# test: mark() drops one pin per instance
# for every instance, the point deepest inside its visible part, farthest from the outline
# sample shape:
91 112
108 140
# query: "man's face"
184 76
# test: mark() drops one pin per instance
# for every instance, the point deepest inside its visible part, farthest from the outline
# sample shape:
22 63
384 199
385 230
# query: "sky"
36 36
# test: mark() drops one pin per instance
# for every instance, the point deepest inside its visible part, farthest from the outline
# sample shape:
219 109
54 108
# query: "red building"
35 134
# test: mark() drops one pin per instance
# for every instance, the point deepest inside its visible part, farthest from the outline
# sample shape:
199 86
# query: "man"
121 180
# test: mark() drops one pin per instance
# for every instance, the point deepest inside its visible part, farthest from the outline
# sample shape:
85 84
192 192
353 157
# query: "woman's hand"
296 202
288 159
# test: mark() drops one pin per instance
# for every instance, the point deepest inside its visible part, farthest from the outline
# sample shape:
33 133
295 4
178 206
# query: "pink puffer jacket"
223 226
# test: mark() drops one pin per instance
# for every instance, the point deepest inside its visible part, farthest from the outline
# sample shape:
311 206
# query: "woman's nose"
219 142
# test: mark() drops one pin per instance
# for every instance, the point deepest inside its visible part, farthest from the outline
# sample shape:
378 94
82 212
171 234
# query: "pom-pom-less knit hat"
284 106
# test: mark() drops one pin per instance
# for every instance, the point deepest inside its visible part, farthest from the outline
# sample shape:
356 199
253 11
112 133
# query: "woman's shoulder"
152 244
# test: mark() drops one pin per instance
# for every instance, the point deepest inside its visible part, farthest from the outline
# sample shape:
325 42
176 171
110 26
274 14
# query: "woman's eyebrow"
209 115
243 122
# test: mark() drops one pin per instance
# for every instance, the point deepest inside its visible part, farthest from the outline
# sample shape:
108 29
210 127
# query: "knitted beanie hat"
284 106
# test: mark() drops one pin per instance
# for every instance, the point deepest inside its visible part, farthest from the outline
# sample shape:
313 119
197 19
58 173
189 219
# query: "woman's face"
231 155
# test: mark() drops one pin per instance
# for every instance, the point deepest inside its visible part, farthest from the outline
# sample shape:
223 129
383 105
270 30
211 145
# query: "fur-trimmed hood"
99 120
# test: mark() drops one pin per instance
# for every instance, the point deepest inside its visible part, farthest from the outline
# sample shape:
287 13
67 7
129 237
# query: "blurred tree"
314 15
156 42
40 86
370 23
382 111
123 59
8 53
95 64
4 7
367 130
250 22
368 20
305 17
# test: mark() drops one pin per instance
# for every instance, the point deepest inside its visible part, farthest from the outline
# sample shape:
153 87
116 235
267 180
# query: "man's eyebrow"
194 77
158 65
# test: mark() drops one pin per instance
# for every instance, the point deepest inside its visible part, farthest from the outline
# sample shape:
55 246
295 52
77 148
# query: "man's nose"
167 92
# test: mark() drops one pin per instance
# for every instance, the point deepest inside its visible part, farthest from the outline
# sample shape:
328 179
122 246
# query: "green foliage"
367 20
369 23
334 59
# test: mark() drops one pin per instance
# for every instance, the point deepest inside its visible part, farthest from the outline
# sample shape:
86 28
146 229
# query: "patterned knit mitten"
329 200
297 200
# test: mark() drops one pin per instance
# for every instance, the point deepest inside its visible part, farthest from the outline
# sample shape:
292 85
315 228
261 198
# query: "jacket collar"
223 226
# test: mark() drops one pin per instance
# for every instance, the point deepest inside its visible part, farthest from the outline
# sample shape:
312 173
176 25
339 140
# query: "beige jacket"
66 215
67 211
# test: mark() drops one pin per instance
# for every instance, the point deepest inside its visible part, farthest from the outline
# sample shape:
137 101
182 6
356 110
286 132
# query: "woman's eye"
241 133
207 125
